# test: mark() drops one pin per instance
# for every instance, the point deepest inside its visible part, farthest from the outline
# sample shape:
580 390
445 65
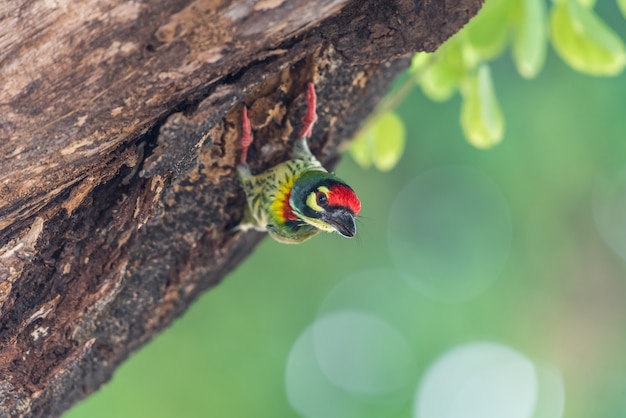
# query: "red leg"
309 119
246 136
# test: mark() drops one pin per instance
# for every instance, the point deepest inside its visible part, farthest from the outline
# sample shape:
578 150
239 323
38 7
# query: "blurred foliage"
584 41
382 145
578 34
481 117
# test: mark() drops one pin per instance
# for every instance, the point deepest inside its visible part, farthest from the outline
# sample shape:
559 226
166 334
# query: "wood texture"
119 123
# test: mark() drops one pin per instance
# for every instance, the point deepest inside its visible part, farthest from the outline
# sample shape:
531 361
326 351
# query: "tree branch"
119 138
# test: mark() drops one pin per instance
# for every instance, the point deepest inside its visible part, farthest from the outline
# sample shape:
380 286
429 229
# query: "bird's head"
322 200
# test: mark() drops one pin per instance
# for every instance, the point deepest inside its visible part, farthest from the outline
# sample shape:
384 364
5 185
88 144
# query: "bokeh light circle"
609 211
478 380
308 390
363 354
450 231
551 395
365 370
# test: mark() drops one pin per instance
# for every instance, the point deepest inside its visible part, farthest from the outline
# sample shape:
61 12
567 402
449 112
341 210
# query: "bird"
298 198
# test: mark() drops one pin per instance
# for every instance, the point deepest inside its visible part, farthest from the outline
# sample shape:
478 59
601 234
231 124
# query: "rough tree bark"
119 123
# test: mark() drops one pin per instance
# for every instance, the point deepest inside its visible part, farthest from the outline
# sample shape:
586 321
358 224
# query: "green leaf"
587 3
381 145
361 149
529 42
442 78
390 136
622 7
585 42
486 34
481 117
419 61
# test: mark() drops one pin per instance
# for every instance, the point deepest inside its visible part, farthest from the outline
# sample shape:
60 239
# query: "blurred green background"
485 284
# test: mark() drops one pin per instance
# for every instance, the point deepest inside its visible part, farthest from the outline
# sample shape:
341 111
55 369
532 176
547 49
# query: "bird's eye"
321 199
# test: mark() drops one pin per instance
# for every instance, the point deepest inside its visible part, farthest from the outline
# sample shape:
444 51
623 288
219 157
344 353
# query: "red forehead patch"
341 195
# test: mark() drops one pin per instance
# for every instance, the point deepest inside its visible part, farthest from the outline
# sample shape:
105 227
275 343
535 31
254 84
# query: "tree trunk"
119 128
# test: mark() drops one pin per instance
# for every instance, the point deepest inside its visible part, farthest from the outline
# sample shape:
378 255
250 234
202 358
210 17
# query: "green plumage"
297 199
268 193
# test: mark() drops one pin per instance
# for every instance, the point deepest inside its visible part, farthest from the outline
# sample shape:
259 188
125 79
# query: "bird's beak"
342 221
